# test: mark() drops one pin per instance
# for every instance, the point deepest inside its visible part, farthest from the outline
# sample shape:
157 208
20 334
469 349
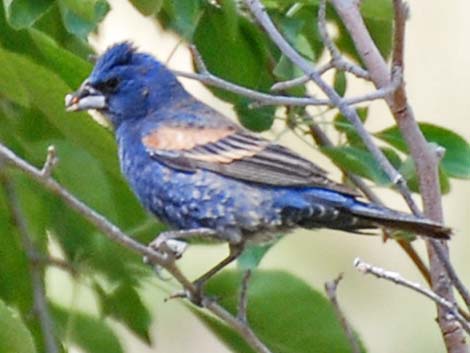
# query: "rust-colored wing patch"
237 154
183 139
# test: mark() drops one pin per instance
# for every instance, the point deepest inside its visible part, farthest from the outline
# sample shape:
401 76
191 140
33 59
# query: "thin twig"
425 160
262 17
283 85
116 235
337 59
323 140
408 248
330 289
264 99
243 300
429 179
395 277
259 12
42 260
442 254
267 99
50 163
239 326
205 76
39 294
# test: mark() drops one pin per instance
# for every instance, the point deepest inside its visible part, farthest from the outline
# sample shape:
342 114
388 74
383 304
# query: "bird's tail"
320 208
388 218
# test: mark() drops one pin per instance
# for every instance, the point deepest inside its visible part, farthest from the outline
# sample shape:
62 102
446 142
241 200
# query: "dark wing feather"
240 155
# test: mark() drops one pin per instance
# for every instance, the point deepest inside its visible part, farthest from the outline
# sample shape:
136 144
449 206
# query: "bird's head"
125 85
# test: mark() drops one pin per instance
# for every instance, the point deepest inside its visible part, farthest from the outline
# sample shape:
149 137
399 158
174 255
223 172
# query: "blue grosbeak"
202 174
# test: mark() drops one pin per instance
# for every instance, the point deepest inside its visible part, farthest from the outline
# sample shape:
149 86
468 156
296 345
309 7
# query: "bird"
202 174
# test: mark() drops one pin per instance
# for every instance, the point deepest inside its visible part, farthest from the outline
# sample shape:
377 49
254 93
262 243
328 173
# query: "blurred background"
389 318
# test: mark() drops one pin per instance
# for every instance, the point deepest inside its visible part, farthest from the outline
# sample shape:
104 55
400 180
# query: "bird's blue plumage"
194 168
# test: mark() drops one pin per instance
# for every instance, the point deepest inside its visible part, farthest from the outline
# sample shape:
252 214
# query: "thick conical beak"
85 98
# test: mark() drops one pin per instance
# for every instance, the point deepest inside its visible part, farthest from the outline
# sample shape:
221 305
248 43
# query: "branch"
280 86
425 159
243 301
239 326
263 99
116 235
336 58
55 262
443 255
395 277
39 296
322 139
50 163
259 12
330 288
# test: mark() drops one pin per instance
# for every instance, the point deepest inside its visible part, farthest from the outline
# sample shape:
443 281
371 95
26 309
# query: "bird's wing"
235 153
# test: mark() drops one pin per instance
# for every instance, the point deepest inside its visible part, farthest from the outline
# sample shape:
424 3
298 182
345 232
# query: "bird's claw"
169 247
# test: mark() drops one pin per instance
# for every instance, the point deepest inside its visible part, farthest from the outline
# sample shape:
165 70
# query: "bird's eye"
108 86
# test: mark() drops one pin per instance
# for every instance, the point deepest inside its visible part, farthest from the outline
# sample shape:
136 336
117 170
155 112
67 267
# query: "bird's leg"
235 251
169 242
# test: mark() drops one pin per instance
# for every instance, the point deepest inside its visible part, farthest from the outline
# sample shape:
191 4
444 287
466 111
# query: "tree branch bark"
116 235
424 156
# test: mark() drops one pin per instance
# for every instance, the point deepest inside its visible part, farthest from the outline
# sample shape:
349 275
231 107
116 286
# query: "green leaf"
24 13
340 82
378 18
456 161
125 305
52 25
285 313
47 91
147 7
15 280
377 9
259 119
181 16
229 8
408 170
14 336
382 34
292 29
71 68
307 14
343 125
82 16
10 84
87 332
244 60
80 173
392 156
357 161
252 256
31 202
286 70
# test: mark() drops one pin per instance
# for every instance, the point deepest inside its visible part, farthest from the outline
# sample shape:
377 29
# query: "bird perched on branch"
202 174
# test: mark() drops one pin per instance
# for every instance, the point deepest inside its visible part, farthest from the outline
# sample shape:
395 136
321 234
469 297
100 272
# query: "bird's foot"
172 248
171 244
